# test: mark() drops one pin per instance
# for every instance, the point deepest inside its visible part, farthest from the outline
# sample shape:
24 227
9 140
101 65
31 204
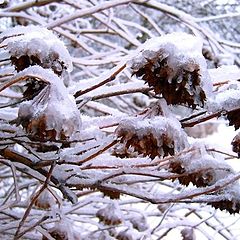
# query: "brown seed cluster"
45 200
200 178
232 206
236 144
56 234
147 144
51 61
178 85
233 117
109 215
37 128
124 235
188 234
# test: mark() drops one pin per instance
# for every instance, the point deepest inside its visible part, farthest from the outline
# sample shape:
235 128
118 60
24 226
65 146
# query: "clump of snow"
39 44
63 230
53 103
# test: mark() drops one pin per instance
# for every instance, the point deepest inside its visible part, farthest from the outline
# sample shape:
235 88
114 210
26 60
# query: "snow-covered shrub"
126 168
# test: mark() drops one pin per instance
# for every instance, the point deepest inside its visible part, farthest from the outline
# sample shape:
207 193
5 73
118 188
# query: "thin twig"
35 197
109 79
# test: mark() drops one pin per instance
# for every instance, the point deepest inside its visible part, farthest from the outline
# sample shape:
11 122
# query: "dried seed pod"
56 234
111 194
34 45
236 144
52 113
139 223
233 117
125 235
62 231
208 54
175 67
199 169
45 200
159 136
200 178
188 234
163 207
33 88
226 99
229 198
232 204
110 215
